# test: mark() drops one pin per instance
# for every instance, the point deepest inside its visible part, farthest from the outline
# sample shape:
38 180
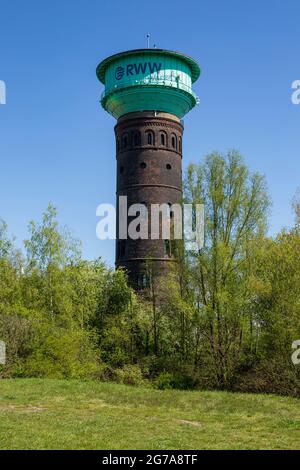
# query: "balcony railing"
167 81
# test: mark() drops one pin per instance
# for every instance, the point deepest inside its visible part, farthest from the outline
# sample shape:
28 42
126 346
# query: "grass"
61 414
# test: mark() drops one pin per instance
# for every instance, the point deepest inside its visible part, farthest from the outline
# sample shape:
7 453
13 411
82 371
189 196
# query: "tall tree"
50 249
236 205
10 267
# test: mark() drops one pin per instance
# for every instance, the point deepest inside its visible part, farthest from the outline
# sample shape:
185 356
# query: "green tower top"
148 80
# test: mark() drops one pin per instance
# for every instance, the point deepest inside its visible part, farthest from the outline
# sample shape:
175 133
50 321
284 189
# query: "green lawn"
60 414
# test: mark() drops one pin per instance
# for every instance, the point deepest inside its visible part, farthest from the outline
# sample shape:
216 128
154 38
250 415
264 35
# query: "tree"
10 266
50 250
236 205
296 207
5 243
274 302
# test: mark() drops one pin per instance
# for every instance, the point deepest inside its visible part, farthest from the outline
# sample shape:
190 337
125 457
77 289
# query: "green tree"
11 268
236 205
50 250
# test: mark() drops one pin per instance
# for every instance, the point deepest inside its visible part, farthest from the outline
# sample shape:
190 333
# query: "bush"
177 380
57 352
270 377
15 331
130 375
164 381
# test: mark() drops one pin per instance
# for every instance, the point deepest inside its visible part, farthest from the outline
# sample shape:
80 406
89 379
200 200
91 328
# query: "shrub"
59 353
130 375
176 380
164 381
15 331
270 377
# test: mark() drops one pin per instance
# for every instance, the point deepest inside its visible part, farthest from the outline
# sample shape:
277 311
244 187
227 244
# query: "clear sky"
57 144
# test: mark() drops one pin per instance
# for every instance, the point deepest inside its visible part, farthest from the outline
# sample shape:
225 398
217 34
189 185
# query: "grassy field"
59 414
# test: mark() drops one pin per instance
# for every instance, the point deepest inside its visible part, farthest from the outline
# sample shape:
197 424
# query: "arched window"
180 144
136 139
163 139
125 141
150 138
143 165
174 141
168 166
171 211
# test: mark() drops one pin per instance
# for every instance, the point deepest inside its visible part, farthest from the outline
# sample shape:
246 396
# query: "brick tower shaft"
149 171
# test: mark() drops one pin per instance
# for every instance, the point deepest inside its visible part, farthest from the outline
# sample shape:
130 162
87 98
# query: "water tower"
148 91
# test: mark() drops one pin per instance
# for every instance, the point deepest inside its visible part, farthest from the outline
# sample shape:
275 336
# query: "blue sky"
57 144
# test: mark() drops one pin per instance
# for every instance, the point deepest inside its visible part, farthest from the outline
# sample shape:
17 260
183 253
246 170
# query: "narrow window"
180 145
143 165
143 281
168 166
171 212
125 141
136 139
150 139
122 248
162 139
121 170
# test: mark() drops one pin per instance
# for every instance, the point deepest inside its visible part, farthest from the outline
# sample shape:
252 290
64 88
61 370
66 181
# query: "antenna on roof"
148 40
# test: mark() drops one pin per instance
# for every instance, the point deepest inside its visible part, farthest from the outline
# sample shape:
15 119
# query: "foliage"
130 374
224 317
235 214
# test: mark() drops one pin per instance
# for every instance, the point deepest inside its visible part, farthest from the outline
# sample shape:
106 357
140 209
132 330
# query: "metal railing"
167 81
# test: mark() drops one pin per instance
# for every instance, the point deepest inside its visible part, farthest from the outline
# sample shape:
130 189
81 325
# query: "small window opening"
143 281
171 212
136 139
122 248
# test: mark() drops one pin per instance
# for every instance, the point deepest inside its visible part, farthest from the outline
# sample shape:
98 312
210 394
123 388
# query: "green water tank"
148 80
